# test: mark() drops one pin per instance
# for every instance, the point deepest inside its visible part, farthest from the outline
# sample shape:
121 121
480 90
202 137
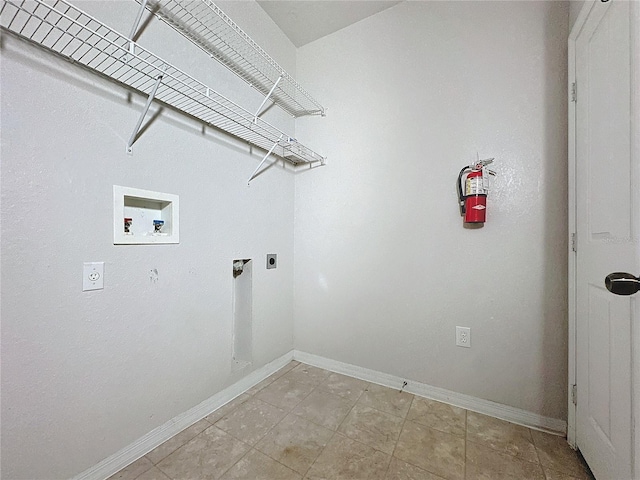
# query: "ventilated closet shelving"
66 30
209 28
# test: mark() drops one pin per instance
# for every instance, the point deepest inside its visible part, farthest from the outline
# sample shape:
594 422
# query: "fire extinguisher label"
474 186
478 207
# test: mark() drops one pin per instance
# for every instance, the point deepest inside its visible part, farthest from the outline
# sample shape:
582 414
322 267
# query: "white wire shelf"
66 30
209 28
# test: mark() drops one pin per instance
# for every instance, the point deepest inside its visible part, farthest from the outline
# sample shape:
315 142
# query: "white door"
607 217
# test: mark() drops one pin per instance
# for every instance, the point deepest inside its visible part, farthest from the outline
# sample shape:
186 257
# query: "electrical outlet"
272 260
92 276
463 337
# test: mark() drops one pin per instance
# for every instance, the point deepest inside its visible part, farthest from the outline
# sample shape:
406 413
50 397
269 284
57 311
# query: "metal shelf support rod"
134 28
144 113
255 117
255 172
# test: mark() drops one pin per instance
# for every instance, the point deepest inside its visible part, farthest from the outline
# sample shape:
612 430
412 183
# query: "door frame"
635 159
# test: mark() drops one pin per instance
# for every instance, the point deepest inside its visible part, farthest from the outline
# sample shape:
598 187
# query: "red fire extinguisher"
473 196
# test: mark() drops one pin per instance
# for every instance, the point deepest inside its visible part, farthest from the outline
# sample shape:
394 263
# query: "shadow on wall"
554 178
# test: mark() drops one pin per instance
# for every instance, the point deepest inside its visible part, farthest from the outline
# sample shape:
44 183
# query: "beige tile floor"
307 423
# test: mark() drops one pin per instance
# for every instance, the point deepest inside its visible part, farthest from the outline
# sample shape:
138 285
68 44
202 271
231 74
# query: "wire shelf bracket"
255 118
61 28
134 28
143 114
255 172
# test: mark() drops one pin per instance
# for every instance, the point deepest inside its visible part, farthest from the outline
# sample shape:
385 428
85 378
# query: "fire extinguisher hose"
460 193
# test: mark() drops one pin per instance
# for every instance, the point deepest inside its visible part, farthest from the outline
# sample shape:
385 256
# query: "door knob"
622 283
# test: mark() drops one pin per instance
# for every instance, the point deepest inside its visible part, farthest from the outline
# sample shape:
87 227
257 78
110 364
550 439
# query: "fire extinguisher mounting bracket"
480 164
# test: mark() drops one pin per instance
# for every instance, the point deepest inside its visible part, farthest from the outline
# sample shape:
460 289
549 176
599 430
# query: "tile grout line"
251 447
404 421
355 440
319 455
506 452
237 461
276 460
142 473
274 426
535 448
336 432
268 384
235 438
279 406
290 411
349 412
435 430
155 464
172 451
309 420
466 426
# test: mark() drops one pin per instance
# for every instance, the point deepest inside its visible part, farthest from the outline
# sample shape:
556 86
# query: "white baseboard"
486 407
157 436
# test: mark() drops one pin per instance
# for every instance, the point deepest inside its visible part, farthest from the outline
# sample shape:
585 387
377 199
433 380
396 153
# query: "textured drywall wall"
384 268
86 374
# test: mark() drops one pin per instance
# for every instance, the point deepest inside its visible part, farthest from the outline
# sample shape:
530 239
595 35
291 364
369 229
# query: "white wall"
86 374
384 269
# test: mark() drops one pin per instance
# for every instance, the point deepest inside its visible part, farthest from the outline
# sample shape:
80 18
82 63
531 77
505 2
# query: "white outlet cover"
463 337
92 276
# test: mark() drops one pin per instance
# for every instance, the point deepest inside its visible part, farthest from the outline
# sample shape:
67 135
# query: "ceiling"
304 21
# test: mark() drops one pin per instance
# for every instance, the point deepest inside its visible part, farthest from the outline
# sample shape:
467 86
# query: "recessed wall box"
144 211
242 314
